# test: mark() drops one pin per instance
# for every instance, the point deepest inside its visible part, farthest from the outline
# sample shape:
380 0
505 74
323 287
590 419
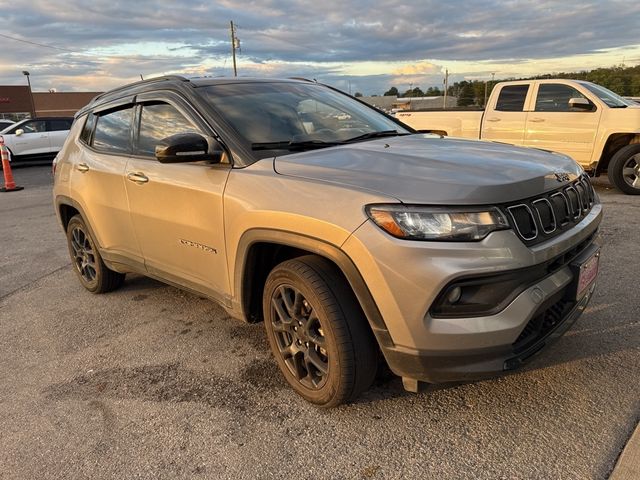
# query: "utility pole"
235 43
446 87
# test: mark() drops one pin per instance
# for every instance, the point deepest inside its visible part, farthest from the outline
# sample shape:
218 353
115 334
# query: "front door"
177 209
34 139
555 126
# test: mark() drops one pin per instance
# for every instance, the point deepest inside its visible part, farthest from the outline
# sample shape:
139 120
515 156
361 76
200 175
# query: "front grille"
543 217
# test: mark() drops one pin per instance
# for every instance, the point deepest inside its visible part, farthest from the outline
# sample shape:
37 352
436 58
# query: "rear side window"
58 125
512 98
113 131
159 121
87 130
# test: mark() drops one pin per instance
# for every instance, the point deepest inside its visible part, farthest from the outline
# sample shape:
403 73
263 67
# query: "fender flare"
318 247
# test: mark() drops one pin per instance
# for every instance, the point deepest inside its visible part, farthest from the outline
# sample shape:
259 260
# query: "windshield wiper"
288 145
383 133
618 106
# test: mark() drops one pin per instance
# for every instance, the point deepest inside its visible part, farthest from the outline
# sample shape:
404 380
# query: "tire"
93 274
624 169
332 332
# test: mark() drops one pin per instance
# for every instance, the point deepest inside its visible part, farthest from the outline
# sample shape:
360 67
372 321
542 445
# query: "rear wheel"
624 169
317 331
93 274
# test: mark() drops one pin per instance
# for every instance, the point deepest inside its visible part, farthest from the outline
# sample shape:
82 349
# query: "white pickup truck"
596 127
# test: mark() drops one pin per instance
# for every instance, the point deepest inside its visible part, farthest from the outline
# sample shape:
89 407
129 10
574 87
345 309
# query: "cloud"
114 42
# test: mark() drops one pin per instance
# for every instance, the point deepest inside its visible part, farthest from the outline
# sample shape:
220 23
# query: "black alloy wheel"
93 274
317 331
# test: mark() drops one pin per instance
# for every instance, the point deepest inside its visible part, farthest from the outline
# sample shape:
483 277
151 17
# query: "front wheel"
317 331
93 274
624 169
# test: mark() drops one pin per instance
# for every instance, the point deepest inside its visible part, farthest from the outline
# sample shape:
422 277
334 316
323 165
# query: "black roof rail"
164 78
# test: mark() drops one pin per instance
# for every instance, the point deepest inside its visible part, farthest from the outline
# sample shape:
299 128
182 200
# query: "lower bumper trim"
442 367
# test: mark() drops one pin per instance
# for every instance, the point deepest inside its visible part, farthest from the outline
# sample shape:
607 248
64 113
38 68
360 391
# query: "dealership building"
19 102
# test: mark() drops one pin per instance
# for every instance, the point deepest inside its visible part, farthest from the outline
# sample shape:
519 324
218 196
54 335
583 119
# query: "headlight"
463 224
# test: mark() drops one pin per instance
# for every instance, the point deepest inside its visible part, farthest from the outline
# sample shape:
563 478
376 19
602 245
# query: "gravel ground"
152 382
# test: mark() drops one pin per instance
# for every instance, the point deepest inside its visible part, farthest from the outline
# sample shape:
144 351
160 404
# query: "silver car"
355 239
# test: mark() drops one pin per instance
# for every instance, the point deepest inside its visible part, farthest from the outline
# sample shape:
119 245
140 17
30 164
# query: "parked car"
5 124
596 127
447 259
36 139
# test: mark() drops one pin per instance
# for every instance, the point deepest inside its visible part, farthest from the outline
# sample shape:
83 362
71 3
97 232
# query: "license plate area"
585 274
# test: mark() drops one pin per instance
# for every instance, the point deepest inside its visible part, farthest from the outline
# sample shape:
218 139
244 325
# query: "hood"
433 170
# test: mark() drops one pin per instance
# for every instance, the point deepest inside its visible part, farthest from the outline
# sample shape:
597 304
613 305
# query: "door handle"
138 177
536 120
494 119
82 167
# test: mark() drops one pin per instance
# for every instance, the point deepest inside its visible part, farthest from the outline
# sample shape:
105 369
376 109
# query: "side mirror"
580 104
19 132
189 147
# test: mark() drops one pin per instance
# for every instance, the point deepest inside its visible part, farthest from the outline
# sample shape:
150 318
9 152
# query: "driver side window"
34 126
157 122
553 97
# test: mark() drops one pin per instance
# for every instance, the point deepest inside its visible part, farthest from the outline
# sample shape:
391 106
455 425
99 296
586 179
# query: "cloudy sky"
352 44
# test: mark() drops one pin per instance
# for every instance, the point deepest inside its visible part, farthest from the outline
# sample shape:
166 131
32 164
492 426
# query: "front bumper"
406 277
443 366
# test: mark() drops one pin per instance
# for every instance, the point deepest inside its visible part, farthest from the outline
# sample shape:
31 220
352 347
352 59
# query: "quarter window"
554 97
512 98
113 131
87 130
157 122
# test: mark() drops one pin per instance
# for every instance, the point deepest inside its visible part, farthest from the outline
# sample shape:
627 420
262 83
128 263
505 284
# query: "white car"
36 138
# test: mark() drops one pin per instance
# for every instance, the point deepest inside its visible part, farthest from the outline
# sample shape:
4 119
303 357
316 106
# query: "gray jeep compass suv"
355 239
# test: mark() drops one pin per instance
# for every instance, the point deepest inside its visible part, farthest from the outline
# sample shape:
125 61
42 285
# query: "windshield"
273 116
612 100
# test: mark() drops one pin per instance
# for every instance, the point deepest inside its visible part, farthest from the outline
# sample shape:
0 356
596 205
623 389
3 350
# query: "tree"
392 92
357 94
433 92
466 96
415 92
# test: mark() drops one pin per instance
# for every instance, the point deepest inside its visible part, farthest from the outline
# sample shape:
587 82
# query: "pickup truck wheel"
317 331
624 169
93 274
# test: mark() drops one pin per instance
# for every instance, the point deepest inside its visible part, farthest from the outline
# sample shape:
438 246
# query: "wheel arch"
615 142
259 250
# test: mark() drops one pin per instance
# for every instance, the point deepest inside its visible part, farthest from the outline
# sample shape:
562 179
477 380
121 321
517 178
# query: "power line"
36 43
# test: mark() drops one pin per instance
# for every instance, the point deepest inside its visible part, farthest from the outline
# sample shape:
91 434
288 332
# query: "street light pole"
33 105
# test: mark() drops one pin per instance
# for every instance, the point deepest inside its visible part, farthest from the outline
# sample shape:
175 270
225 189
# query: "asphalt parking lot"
152 382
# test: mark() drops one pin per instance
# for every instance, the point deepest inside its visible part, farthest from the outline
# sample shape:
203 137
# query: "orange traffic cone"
9 184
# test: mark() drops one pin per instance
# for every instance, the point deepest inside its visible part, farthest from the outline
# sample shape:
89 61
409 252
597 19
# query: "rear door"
98 181
505 120
34 139
553 125
58 130
177 209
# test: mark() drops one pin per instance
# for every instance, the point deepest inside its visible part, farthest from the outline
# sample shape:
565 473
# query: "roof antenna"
141 77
